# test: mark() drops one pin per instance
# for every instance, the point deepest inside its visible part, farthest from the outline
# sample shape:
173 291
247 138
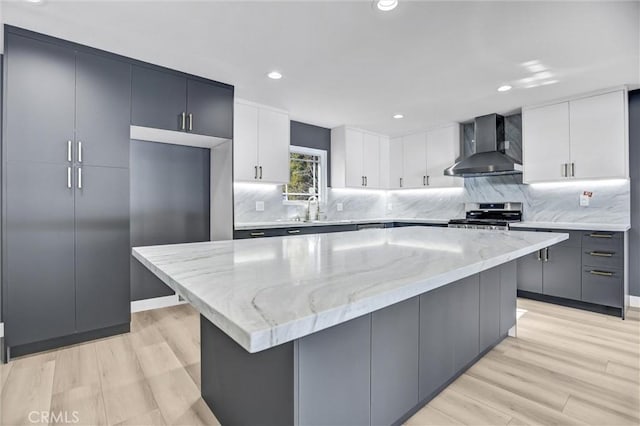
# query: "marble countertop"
611 227
293 223
269 291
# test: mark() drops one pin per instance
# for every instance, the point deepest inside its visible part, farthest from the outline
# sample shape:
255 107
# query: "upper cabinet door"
354 141
443 148
414 160
209 109
545 148
159 99
371 160
395 163
273 146
103 111
245 142
598 137
40 100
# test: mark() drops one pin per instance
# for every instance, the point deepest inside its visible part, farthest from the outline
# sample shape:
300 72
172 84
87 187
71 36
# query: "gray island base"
378 369
350 328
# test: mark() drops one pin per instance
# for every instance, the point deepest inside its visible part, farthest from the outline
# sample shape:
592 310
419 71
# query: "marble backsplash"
552 202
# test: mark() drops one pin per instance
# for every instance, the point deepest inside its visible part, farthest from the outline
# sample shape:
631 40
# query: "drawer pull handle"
594 235
257 234
294 231
601 254
601 273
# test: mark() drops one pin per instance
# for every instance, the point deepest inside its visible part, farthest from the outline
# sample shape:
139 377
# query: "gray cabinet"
489 307
102 248
508 297
169 100
562 273
337 375
66 233
103 111
40 100
465 315
436 340
210 109
39 259
159 99
530 273
394 361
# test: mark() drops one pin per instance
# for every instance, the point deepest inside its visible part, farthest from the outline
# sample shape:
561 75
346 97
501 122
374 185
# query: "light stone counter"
266 292
573 226
295 224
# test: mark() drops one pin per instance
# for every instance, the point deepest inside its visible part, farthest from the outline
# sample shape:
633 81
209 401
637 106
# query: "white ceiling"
346 63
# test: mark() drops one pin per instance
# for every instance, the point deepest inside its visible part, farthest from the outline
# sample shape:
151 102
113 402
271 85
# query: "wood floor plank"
587 412
430 416
152 418
157 359
127 401
194 372
82 405
118 362
467 410
76 366
623 371
28 388
175 393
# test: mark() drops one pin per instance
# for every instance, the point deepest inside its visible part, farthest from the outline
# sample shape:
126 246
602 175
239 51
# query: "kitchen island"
346 328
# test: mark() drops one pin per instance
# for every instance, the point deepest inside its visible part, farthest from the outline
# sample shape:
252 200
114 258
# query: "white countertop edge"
260 340
611 227
243 226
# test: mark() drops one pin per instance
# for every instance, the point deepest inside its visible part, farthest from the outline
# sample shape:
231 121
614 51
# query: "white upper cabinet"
585 138
260 143
599 147
396 166
414 162
545 150
418 160
355 158
443 148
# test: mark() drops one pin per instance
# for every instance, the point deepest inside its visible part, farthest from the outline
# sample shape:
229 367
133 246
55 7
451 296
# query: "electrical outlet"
339 207
585 198
259 206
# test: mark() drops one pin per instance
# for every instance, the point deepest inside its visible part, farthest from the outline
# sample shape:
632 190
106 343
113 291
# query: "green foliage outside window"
304 177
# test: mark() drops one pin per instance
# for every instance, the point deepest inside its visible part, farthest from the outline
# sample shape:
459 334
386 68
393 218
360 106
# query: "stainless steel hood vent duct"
489 159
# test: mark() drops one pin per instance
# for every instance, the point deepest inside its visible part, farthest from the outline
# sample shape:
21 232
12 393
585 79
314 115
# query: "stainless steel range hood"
489 159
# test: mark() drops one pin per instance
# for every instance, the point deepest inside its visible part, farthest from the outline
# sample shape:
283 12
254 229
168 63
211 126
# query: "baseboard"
634 301
155 303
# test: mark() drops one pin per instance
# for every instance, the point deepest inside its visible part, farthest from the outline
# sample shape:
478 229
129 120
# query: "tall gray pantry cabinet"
65 194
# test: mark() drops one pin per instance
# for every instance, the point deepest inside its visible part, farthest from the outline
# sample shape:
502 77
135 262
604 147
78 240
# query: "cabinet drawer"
603 258
257 233
603 241
602 286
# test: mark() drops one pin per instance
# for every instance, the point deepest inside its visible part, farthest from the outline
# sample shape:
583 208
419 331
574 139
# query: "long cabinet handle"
366 181
257 234
545 251
539 254
424 181
596 235
69 177
601 273
190 122
69 155
260 171
79 177
573 169
601 254
293 231
563 169
400 182
79 151
183 120
255 172
428 180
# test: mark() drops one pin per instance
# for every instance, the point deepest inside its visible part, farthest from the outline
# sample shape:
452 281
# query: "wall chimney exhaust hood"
489 159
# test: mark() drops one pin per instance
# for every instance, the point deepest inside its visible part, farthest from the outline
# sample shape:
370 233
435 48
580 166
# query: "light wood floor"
565 367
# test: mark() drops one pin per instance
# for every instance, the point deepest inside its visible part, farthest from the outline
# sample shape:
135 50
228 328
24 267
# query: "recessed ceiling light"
386 5
274 75
398 116
504 88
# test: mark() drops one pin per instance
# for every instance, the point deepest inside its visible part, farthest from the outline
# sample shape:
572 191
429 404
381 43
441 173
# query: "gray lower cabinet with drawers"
585 271
240 234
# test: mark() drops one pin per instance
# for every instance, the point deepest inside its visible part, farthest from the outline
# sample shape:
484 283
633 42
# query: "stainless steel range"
488 216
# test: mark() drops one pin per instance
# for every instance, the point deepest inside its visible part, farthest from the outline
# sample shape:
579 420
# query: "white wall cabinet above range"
261 143
583 138
356 159
418 160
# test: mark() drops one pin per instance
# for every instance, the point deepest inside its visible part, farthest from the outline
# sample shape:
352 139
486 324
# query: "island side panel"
508 297
242 388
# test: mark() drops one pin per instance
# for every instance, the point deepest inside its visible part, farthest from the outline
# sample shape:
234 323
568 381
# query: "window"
307 175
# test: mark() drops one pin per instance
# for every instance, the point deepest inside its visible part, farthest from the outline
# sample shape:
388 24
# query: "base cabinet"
561 272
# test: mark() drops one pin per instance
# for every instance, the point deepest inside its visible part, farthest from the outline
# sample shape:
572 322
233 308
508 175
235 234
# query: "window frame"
322 181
